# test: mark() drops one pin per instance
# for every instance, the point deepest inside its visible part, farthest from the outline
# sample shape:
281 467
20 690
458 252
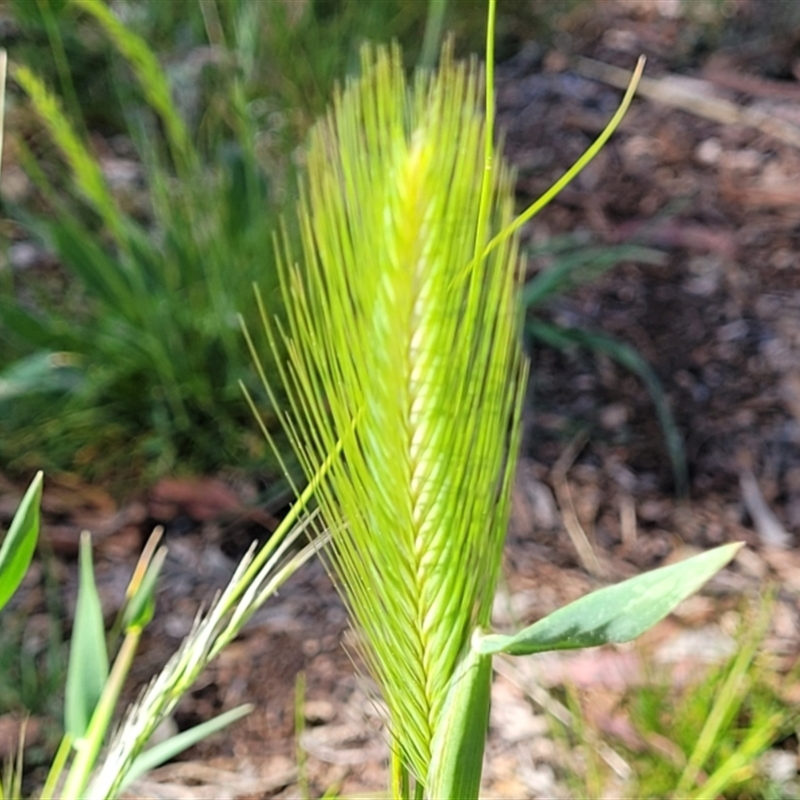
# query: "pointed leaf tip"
88 658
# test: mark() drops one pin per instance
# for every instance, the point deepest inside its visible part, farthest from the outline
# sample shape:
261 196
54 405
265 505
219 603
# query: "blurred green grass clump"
158 143
124 360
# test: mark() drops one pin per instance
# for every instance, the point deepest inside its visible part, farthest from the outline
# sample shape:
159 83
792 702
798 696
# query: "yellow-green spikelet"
406 348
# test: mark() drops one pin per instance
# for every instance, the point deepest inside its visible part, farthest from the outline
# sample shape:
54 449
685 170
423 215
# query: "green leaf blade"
88 657
85 169
582 266
141 607
615 614
156 755
20 541
460 740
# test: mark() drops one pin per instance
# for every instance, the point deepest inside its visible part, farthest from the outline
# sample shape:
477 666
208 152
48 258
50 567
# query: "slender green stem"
3 68
399 777
57 767
299 726
488 142
576 168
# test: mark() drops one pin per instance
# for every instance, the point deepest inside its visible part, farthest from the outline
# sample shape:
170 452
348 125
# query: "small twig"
768 526
577 535
627 520
505 667
692 95
725 75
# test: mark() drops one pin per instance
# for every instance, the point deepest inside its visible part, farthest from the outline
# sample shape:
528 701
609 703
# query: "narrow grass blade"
88 658
158 754
49 12
627 357
300 753
46 334
121 290
580 266
432 38
20 541
729 772
142 605
726 705
615 614
3 70
12 769
89 746
57 768
151 78
85 168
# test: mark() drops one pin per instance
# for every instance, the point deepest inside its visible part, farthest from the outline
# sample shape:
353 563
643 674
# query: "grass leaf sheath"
406 349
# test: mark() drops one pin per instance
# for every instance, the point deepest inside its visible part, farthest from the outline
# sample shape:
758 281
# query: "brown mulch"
705 169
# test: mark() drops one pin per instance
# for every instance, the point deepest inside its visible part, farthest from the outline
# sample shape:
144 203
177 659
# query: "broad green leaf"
158 754
88 658
615 614
20 541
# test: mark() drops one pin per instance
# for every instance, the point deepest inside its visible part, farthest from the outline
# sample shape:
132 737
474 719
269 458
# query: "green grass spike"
387 326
